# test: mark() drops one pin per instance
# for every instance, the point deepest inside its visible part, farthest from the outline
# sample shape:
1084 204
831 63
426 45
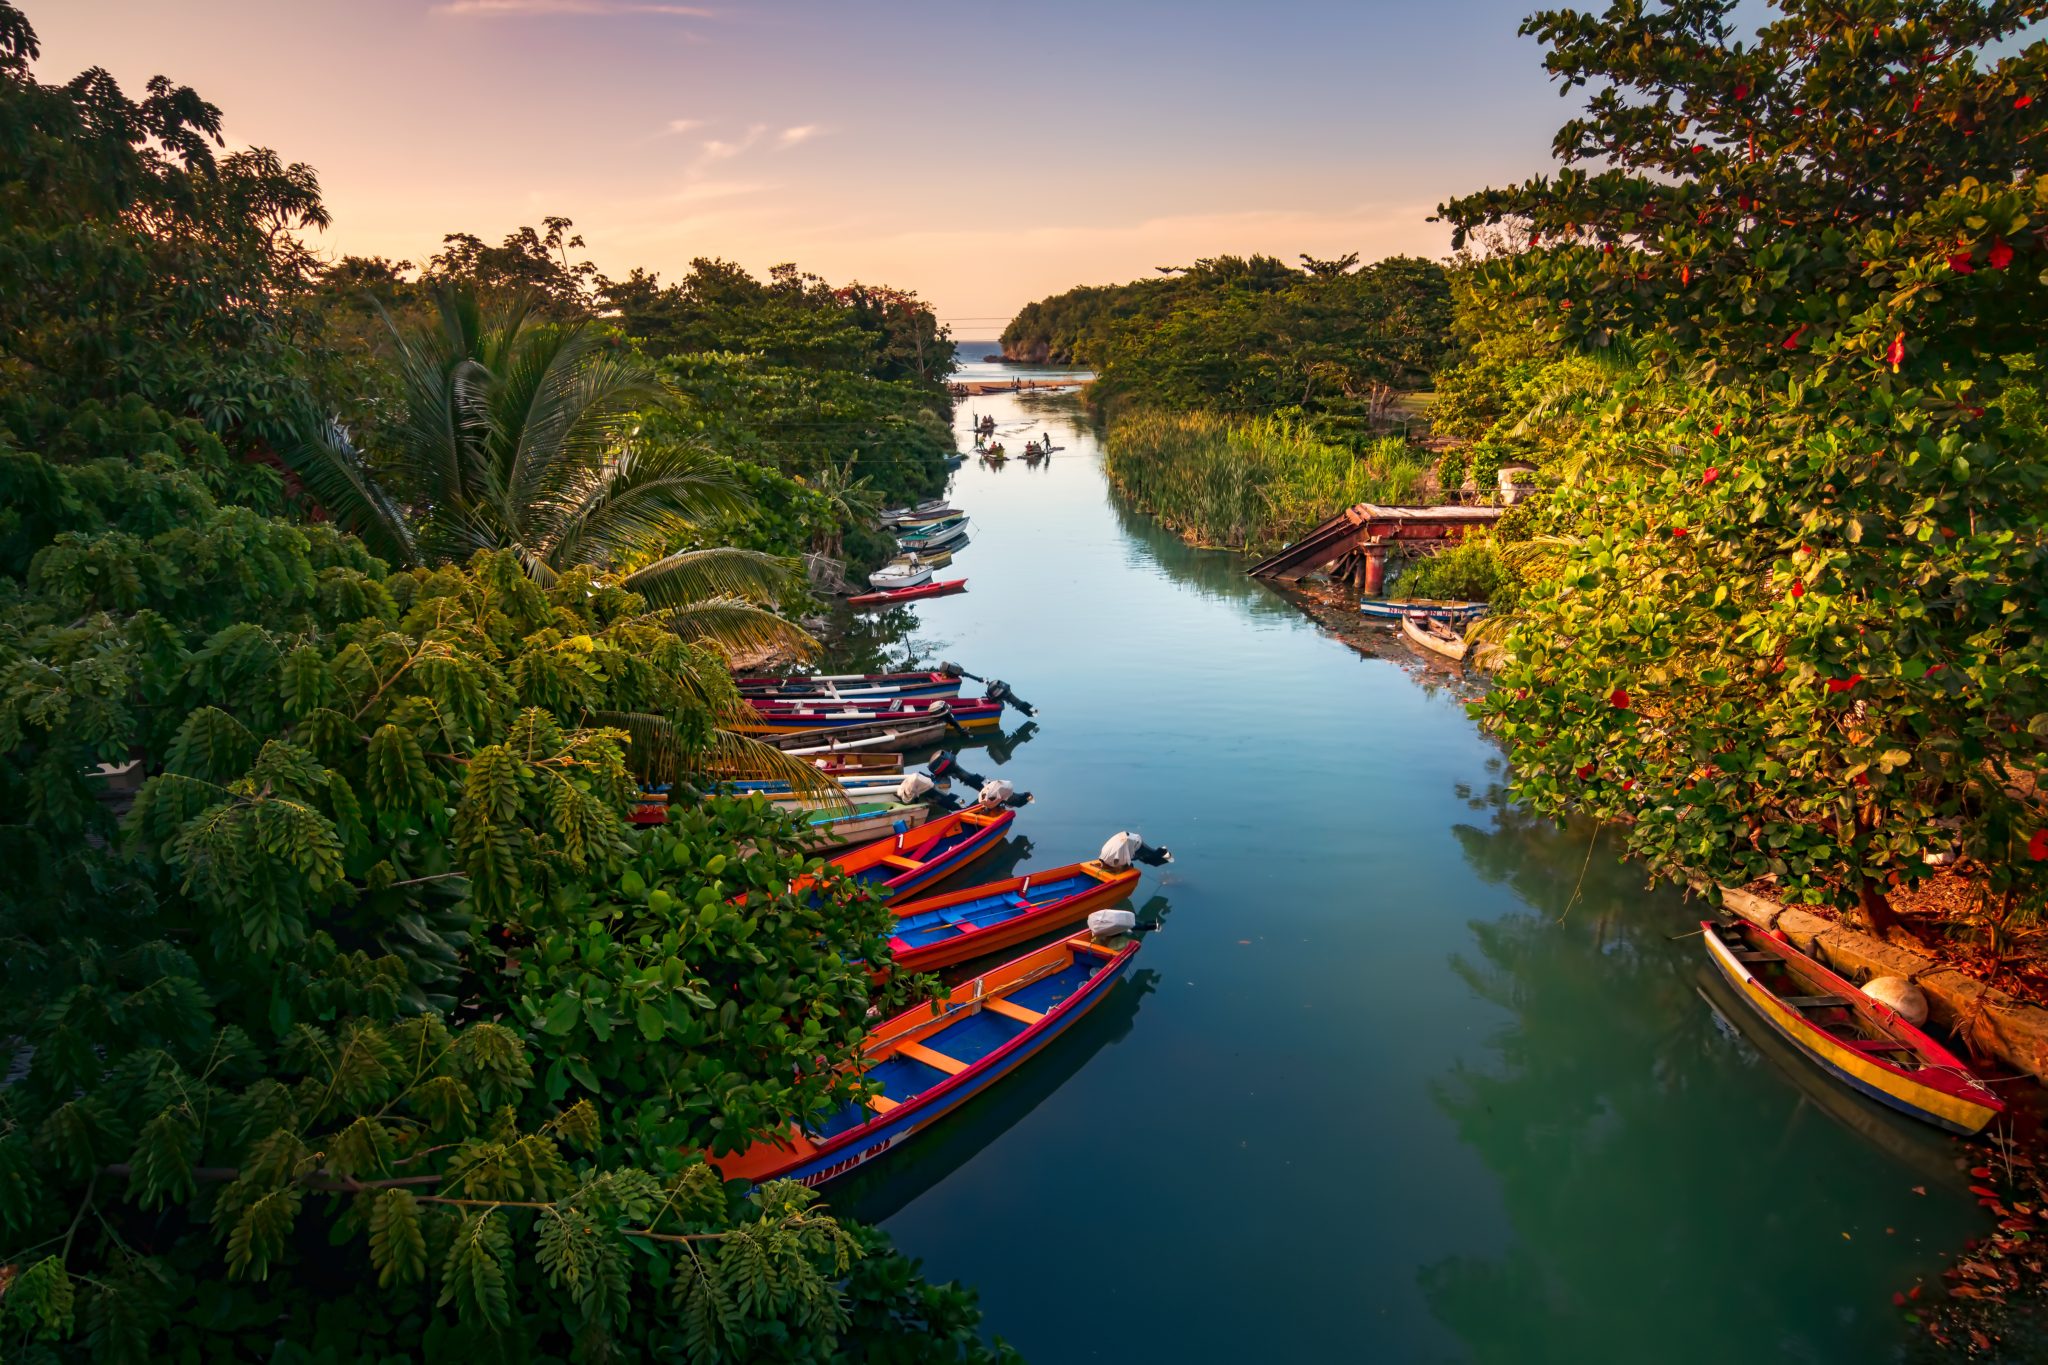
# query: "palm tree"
851 500
517 433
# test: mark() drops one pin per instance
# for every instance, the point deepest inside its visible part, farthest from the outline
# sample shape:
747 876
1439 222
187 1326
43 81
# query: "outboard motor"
998 690
913 787
1001 793
1126 848
1108 924
945 765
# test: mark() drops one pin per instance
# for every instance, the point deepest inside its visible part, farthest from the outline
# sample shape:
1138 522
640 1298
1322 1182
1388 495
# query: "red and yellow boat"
908 862
939 931
1858 1040
929 1060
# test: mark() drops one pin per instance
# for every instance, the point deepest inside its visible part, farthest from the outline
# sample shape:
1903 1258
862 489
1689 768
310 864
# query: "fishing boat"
936 559
945 540
842 686
854 786
942 588
905 864
858 764
878 734
925 508
911 573
840 826
927 1061
939 931
921 516
782 717
1856 1039
1402 608
1433 635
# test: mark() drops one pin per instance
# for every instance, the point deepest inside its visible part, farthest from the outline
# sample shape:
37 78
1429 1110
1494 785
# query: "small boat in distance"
1858 1040
927 1061
911 573
1397 609
958 926
1433 635
942 588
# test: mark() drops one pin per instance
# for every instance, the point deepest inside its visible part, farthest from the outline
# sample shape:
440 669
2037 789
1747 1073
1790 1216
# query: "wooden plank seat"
881 1104
1814 1002
1010 1011
898 861
918 1052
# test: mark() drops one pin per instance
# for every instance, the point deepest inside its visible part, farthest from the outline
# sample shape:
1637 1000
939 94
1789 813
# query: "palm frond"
643 500
739 630
722 571
328 463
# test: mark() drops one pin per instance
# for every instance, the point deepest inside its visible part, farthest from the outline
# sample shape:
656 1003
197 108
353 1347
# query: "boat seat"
1813 1002
1751 956
1008 1010
907 864
918 1052
881 1104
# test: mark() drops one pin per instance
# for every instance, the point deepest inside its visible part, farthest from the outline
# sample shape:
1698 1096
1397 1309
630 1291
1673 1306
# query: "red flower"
1607 249
1898 1300
1678 533
2001 254
1684 275
1585 770
1708 477
1917 97
1961 264
1844 684
1792 342
1863 779
1798 588
2037 847
2023 101
1619 698
1717 428
1628 784
1896 352
1741 92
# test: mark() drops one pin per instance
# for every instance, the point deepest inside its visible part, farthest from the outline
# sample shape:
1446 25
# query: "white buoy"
1904 998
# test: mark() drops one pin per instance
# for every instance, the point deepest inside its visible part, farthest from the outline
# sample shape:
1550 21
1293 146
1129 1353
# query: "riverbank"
974 388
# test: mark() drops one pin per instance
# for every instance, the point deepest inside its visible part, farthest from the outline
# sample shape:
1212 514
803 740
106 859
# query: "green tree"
1797 627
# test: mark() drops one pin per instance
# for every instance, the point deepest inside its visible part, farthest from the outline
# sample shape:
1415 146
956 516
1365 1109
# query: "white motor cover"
1117 853
1906 1000
912 786
1107 924
996 790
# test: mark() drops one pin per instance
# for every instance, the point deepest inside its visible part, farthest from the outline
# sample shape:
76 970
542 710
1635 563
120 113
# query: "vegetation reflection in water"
1410 1075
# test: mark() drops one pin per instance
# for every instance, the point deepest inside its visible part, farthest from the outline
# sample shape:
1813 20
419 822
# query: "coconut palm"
518 433
852 501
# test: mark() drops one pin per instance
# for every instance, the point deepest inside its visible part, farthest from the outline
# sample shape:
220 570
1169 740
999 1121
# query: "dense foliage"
347 1019
1794 625
1250 484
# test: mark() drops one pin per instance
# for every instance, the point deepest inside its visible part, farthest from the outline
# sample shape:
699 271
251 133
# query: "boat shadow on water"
885 1188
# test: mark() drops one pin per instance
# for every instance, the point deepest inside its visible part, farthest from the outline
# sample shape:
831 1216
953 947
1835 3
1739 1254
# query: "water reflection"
1634 1140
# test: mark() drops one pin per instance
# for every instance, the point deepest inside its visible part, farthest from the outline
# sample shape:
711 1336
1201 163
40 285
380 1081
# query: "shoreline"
976 388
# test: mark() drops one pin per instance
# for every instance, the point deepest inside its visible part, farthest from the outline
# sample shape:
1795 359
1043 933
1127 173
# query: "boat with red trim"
783 717
958 926
906 863
839 686
943 588
1860 1041
929 1060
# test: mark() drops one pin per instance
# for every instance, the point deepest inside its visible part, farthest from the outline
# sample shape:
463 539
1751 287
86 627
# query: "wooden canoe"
1435 636
778 717
929 1060
941 588
863 823
856 738
906 863
859 764
939 931
1858 1040
871 687
1400 608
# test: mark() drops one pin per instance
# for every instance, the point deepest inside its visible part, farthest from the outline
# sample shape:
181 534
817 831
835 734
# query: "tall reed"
1248 484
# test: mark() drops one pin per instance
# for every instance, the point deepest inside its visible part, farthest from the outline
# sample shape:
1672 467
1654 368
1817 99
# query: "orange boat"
939 931
932 1058
935 850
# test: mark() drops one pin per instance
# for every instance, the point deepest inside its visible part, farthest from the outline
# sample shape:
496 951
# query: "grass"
1249 485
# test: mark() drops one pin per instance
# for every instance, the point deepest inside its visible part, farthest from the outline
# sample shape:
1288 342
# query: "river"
1406 1075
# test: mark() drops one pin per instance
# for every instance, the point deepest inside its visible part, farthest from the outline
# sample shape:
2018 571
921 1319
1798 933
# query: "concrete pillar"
1375 569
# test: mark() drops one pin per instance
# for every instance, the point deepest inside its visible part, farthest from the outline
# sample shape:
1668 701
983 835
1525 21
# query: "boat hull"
857 738
1419 633
1395 610
1874 1077
943 588
831 830
812 1162
934 851
978 920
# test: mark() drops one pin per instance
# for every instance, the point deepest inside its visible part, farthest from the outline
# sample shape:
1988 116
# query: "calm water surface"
1383 1087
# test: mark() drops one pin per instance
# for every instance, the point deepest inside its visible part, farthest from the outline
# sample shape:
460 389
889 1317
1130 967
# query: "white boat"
911 573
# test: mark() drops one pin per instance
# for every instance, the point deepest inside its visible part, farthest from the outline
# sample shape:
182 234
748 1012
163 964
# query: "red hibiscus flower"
1708 477
1844 684
2037 847
1961 263
2001 254
1798 588
1896 352
1618 698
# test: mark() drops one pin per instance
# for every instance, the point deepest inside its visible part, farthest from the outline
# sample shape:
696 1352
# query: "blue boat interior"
935 851
968 1039
931 926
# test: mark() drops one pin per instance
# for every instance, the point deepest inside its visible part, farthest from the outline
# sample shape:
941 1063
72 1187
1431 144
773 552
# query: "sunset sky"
981 154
